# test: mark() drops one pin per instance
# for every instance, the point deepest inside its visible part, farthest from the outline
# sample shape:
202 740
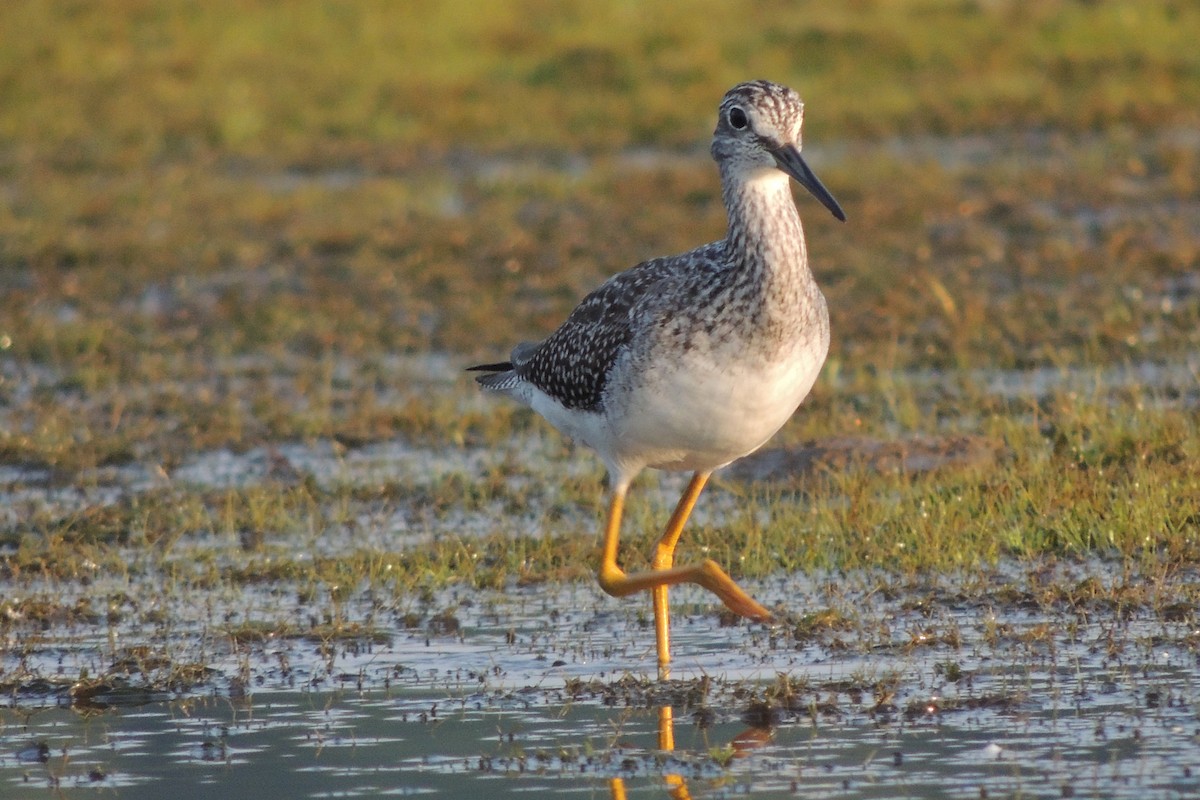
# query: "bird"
692 361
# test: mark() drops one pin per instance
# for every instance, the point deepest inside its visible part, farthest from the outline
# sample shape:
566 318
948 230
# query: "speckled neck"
765 244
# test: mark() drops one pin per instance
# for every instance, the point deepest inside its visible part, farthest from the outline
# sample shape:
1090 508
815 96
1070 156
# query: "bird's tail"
499 366
499 378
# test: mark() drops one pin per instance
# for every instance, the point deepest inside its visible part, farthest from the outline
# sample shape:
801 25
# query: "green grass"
98 85
221 224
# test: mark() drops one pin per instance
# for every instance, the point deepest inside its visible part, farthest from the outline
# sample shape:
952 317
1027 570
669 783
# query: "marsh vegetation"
244 254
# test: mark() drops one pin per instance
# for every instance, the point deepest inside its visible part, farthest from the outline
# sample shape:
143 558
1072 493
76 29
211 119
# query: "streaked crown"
754 119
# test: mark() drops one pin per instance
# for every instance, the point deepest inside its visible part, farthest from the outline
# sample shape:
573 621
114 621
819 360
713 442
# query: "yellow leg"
666 728
664 559
677 787
707 574
666 742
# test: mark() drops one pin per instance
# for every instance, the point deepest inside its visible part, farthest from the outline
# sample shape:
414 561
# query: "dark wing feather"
573 364
499 366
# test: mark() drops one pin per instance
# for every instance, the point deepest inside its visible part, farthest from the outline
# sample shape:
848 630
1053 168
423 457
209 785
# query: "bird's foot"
717 581
707 574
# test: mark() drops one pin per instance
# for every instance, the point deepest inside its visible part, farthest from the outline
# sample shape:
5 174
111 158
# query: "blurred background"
247 248
244 209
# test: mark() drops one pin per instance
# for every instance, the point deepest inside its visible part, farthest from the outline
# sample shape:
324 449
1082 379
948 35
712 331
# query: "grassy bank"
235 226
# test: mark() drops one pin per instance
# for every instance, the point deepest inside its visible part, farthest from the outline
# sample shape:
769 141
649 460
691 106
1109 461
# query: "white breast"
695 416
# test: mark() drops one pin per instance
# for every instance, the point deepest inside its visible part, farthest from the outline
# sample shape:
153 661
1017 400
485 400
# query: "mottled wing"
573 364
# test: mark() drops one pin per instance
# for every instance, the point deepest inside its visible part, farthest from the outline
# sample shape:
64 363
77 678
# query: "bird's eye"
737 118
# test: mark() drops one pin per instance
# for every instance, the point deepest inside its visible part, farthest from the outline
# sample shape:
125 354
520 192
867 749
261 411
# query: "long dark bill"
789 160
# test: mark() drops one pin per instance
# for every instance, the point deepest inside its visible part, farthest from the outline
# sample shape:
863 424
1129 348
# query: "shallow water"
975 685
343 744
549 690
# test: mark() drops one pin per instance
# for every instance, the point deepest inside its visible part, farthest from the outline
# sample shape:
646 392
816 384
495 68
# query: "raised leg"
707 574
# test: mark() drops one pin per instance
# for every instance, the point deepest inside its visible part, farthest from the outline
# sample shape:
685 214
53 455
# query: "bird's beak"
789 160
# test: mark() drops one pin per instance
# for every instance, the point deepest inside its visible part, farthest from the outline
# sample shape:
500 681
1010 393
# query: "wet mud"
990 685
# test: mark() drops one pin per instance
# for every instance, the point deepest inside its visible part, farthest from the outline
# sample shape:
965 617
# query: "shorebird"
692 361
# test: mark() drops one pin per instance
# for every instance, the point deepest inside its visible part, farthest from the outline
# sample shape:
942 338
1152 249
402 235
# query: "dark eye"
737 118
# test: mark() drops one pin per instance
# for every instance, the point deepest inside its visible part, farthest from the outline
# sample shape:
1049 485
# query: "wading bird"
692 361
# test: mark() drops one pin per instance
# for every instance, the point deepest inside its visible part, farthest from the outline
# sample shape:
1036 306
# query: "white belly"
698 418
692 414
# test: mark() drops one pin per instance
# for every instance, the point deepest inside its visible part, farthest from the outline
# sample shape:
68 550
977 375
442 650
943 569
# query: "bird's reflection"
676 784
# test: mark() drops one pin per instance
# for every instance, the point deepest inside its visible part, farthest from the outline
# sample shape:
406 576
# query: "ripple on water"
549 690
